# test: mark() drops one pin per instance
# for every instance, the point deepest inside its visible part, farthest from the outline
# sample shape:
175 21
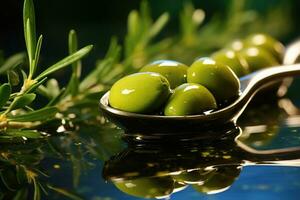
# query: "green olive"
218 78
236 45
150 187
220 181
140 92
232 59
189 99
174 71
258 58
268 43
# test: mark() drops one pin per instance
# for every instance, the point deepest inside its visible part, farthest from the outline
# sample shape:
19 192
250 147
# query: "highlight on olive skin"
258 58
218 78
189 99
270 44
140 93
174 71
233 60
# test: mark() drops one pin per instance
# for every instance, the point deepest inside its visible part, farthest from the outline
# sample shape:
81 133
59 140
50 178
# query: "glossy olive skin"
220 181
148 187
189 99
218 78
236 45
174 71
140 92
258 58
268 43
232 59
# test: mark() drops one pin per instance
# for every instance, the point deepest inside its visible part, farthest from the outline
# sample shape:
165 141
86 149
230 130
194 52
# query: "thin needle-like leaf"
158 25
38 115
12 62
29 27
21 101
37 53
65 62
5 91
73 47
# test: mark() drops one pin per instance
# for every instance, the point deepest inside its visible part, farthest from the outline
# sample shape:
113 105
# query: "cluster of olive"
208 83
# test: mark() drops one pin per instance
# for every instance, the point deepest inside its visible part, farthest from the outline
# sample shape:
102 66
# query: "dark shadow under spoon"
157 124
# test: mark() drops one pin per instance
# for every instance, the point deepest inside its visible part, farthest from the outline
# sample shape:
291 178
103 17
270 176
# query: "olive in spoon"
250 85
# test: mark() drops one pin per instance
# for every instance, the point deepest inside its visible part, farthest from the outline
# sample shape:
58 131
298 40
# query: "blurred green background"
97 21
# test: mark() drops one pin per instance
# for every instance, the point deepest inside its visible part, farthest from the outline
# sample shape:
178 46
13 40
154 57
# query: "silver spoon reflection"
250 85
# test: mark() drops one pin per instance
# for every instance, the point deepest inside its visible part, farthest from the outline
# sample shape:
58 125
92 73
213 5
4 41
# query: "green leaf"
29 28
37 115
12 62
73 47
32 134
13 77
37 54
22 101
65 193
73 86
5 91
37 190
65 62
158 25
24 75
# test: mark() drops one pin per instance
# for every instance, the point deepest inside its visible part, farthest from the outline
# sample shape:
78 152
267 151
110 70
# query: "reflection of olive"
220 180
150 187
194 176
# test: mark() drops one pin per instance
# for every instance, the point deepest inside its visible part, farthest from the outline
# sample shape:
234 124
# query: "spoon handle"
254 81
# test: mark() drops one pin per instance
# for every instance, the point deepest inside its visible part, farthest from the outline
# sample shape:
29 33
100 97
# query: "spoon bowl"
158 124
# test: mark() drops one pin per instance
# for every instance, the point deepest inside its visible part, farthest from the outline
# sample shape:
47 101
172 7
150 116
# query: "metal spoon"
250 84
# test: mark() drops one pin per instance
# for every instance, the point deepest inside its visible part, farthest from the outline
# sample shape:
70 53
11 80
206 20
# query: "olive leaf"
73 85
13 77
158 25
12 62
23 133
65 193
37 115
22 101
73 47
37 54
29 28
5 91
65 62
